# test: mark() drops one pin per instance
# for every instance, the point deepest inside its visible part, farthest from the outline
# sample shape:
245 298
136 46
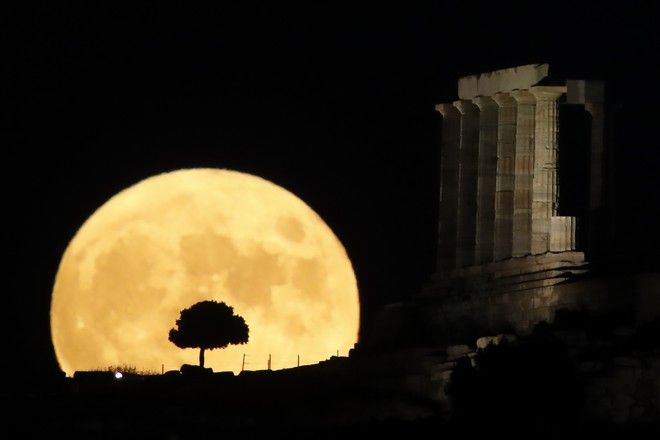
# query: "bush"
530 384
129 369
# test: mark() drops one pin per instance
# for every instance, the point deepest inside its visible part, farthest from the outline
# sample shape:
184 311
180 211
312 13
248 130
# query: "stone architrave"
449 173
545 185
524 173
506 153
504 80
467 183
486 179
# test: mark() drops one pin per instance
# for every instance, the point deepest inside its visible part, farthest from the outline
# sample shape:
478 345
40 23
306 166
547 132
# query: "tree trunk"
201 357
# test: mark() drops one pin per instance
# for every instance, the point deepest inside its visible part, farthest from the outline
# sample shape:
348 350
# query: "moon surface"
177 238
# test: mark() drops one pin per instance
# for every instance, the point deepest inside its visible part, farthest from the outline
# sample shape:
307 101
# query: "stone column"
524 173
506 152
591 94
486 176
545 190
596 111
562 233
597 227
467 183
447 224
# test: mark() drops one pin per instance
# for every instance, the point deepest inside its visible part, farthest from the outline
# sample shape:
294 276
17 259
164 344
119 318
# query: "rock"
485 341
94 375
438 368
195 370
441 376
456 351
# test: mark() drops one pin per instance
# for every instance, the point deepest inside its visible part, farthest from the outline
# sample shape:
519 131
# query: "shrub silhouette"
127 368
529 385
207 325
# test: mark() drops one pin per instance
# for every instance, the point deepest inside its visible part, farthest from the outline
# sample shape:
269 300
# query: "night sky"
334 103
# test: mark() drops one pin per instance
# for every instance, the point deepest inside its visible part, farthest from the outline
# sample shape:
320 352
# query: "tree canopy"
207 325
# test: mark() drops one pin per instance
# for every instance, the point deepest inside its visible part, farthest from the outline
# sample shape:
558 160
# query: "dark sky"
334 103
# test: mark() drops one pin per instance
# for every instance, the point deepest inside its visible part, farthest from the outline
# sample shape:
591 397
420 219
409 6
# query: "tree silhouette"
207 325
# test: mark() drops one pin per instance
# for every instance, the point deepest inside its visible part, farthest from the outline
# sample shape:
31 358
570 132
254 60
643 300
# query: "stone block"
445 366
562 233
545 297
542 314
456 351
504 80
442 376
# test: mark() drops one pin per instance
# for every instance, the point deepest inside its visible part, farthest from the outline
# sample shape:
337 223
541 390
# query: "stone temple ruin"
526 225
524 214
503 227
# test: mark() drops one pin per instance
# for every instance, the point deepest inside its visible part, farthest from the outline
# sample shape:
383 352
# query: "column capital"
523 97
484 102
446 109
582 91
547 93
465 106
503 100
595 109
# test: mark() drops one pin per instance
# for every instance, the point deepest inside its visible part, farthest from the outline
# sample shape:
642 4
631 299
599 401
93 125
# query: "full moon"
186 236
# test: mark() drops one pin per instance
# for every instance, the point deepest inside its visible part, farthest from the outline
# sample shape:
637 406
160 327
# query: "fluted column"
486 176
506 153
467 184
524 173
597 227
449 172
545 188
596 111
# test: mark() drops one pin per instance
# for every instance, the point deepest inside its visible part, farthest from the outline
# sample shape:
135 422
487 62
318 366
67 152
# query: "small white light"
118 375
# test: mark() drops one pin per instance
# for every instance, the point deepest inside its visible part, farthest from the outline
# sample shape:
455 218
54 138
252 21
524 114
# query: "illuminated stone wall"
500 196
522 224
